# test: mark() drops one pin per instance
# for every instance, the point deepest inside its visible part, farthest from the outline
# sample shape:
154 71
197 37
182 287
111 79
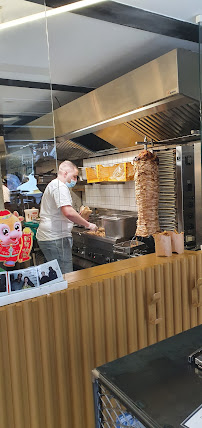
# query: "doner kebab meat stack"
147 193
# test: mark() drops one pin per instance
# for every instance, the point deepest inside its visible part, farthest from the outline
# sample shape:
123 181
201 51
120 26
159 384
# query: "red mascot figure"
15 244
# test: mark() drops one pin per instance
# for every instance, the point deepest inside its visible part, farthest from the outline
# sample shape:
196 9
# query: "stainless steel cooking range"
91 250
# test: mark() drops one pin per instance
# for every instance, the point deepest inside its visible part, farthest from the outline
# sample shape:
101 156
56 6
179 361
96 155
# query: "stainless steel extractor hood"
159 99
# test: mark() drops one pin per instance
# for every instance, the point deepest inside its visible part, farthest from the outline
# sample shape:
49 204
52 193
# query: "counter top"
157 383
80 277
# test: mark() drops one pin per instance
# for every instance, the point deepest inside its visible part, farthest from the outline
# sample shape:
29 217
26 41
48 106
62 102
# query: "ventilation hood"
159 99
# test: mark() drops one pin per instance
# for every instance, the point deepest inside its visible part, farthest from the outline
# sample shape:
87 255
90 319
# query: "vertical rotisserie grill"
147 193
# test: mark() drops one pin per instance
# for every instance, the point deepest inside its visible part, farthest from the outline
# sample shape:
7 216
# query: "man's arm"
73 216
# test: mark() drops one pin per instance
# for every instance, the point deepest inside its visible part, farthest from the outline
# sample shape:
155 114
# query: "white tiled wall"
114 196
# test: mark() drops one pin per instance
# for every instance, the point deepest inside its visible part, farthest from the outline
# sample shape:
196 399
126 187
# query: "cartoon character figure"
15 244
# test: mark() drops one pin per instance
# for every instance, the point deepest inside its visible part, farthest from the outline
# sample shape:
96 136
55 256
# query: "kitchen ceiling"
85 52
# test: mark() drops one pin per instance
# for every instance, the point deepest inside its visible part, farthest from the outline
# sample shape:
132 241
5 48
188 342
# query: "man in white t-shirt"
57 218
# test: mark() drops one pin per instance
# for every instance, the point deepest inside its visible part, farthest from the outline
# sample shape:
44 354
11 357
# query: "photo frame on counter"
49 272
23 284
4 288
22 279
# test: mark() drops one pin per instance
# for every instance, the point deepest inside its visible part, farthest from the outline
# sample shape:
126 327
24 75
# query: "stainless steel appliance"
119 226
131 248
189 197
180 202
160 99
91 250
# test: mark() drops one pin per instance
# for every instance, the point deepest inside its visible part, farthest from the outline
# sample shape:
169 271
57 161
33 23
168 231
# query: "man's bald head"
67 166
67 171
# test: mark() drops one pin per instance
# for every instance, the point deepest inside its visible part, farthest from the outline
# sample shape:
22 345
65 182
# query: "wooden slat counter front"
80 277
50 344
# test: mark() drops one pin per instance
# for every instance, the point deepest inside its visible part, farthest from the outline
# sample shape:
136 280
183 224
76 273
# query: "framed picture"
49 272
23 284
21 280
3 283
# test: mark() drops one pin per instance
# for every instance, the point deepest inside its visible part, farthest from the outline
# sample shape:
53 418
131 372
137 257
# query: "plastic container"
31 214
102 173
121 172
115 173
91 175
127 420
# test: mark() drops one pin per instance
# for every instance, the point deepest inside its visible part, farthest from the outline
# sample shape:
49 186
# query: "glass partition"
27 142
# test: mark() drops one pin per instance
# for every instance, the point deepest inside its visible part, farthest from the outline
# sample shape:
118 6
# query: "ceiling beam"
140 19
133 17
44 85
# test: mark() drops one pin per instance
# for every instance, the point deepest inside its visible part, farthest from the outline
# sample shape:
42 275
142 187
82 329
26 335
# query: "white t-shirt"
53 224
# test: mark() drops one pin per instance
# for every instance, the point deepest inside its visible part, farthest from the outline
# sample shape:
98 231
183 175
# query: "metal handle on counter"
152 309
196 294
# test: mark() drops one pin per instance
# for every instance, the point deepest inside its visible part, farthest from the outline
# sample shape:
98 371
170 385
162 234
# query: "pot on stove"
119 226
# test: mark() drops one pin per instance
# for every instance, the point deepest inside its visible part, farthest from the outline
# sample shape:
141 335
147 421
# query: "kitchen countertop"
80 277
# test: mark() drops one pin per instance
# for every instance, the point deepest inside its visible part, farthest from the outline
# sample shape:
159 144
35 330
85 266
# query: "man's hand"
92 227
72 215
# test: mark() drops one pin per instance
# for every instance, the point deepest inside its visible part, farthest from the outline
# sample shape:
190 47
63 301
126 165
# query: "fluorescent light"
56 11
